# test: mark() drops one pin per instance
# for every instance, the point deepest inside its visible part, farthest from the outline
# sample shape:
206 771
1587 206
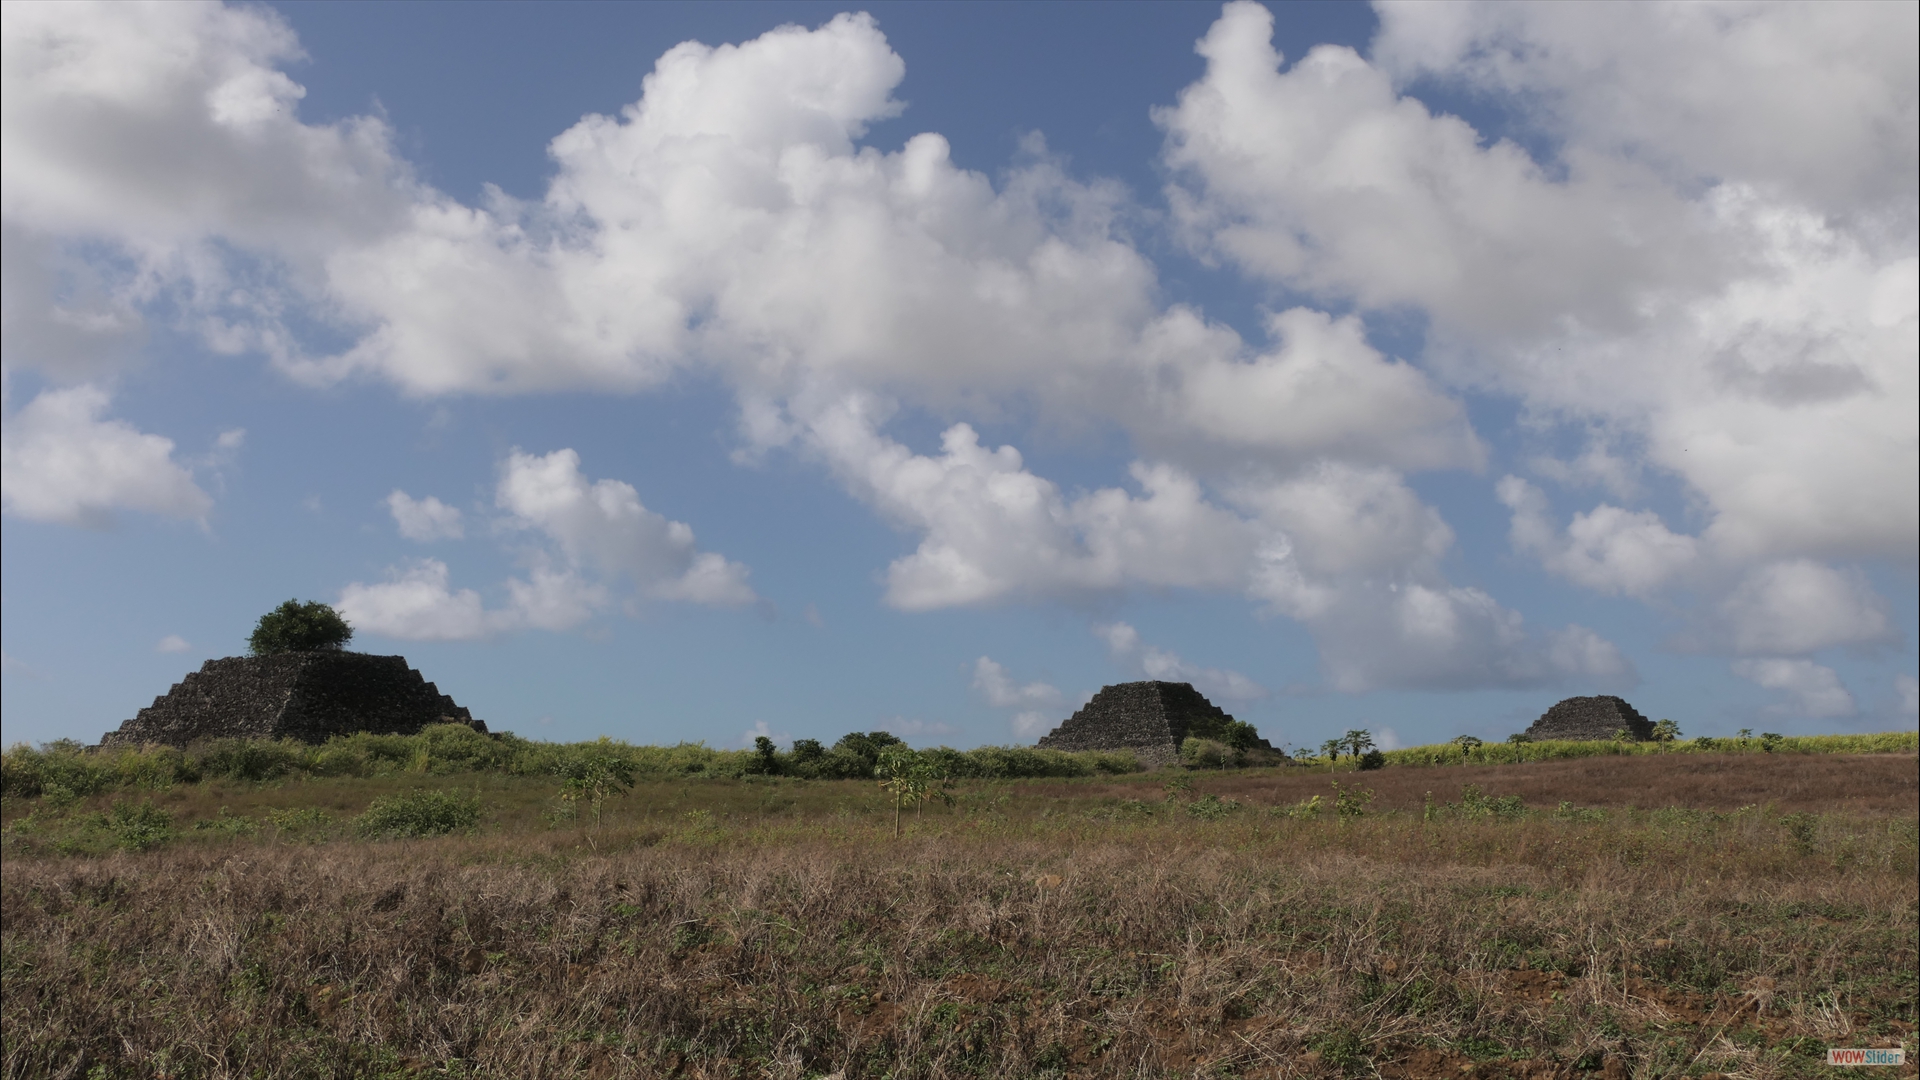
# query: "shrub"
64 765
1198 753
1475 803
459 748
134 827
251 759
1373 759
867 747
805 751
300 823
596 775
1351 802
1211 807
154 767
766 758
298 627
419 813
1305 810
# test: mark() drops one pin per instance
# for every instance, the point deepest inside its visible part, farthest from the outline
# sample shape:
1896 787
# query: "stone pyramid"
299 695
1590 719
1150 718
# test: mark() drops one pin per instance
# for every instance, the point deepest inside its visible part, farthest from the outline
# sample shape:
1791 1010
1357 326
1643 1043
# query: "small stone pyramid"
1590 719
309 696
1150 718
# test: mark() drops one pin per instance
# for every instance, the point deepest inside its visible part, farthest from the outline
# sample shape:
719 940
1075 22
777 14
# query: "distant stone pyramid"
299 695
1589 719
1150 718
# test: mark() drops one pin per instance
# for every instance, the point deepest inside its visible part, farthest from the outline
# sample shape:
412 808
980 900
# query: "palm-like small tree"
907 775
1331 751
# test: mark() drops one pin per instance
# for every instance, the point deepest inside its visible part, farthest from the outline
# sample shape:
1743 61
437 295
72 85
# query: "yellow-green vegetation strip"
65 770
1890 742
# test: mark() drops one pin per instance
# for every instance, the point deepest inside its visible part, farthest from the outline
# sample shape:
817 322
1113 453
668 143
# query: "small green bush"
134 827
1304 810
154 767
308 823
459 748
1211 807
1351 802
63 764
418 813
1475 803
298 627
252 759
1198 753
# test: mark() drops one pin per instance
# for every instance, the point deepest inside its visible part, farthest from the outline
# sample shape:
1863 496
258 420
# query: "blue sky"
697 371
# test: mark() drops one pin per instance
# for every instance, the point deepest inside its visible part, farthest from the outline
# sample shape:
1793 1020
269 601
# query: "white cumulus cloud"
172 643
417 604
64 462
992 529
1607 549
1799 606
603 526
1711 271
424 520
1811 689
1039 703
1163 665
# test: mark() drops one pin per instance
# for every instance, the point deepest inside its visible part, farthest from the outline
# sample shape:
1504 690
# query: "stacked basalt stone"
1150 718
1588 719
310 696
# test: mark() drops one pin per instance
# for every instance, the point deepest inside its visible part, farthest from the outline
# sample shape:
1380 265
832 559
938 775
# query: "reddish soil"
1821 783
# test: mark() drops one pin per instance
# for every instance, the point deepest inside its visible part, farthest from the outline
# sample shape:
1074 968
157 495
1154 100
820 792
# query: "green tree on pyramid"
298 627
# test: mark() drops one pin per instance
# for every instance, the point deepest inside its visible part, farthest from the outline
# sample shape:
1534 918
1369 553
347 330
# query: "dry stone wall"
1150 718
309 696
1589 719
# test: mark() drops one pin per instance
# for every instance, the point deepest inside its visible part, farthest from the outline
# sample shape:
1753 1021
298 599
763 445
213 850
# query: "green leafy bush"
298 627
1211 807
1351 802
304 823
1475 803
1196 753
419 813
125 825
459 748
64 764
252 759
1304 810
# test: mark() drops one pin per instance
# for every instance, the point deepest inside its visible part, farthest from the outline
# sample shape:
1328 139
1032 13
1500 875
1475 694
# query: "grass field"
1645 915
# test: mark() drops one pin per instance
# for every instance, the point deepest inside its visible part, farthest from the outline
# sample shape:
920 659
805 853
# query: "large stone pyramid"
1589 719
299 695
1150 718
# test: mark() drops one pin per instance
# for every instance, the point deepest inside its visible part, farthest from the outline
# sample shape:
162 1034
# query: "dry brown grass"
729 933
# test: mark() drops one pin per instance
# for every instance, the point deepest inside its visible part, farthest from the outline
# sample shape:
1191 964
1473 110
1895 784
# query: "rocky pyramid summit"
310 695
1150 718
1589 719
